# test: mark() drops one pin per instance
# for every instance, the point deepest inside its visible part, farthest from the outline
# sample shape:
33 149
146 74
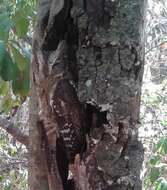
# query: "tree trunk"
110 59
93 49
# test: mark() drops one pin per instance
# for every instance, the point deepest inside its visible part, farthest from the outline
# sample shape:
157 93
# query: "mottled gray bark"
97 44
110 61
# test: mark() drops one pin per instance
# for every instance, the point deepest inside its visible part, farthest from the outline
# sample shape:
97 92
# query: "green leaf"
154 174
4 88
155 159
21 23
7 69
27 79
17 83
161 185
2 51
5 26
19 58
21 85
6 64
6 104
161 146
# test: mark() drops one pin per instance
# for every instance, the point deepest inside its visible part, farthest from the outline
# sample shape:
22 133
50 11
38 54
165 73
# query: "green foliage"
19 58
155 159
161 146
161 184
21 23
154 174
157 168
20 84
17 22
154 118
14 180
13 174
6 64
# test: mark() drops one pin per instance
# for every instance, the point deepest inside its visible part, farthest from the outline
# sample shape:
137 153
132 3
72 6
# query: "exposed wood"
53 79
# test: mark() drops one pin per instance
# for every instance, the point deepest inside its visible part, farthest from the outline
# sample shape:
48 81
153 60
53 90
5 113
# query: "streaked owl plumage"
70 117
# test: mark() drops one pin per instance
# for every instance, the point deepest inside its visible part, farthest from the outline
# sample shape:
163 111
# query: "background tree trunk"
103 53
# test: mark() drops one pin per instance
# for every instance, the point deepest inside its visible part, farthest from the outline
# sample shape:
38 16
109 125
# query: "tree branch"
16 133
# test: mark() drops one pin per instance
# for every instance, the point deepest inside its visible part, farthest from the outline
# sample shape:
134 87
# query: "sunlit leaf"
6 104
4 88
21 23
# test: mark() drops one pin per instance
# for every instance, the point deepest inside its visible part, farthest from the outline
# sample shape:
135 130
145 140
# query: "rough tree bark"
93 49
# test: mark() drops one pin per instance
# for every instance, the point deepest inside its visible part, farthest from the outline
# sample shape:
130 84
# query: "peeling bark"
59 117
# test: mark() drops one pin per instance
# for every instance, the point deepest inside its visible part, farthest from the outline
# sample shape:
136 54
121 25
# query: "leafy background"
153 130
17 18
17 21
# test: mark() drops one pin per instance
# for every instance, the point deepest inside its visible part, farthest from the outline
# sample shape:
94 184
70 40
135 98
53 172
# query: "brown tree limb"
16 133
